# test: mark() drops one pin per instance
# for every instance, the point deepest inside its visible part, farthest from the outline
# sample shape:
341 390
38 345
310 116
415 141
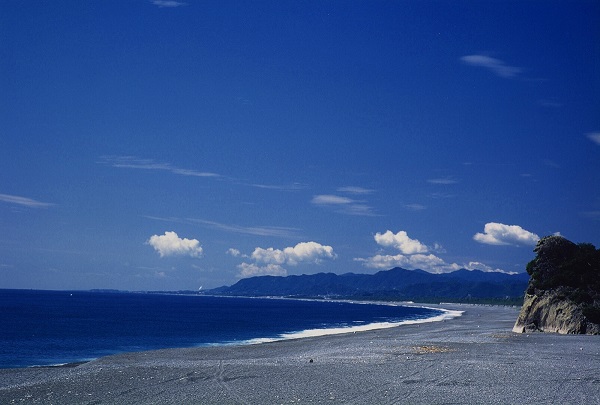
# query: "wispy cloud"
495 233
551 163
496 66
276 231
133 162
280 187
595 215
329 199
443 180
550 103
23 201
168 3
343 205
355 190
415 207
137 163
594 137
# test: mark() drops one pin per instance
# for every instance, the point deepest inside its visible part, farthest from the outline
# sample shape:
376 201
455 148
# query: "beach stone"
472 359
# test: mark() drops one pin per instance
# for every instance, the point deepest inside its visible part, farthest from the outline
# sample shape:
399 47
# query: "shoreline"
303 334
471 359
284 335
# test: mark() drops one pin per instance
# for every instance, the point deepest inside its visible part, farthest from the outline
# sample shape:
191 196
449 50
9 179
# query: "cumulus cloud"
271 260
594 137
499 234
496 66
413 255
252 270
486 268
234 252
400 241
343 205
430 263
170 244
303 252
23 201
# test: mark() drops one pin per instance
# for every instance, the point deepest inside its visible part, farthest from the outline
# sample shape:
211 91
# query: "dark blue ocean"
55 327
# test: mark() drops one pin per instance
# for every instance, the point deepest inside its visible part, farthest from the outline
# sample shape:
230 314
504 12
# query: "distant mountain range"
398 284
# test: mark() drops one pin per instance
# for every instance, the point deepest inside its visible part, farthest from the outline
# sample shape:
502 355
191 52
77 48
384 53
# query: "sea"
51 328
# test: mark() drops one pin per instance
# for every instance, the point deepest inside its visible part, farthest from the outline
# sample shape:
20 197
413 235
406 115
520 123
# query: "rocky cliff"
563 294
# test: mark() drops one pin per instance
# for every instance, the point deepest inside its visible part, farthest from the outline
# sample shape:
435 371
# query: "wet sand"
473 359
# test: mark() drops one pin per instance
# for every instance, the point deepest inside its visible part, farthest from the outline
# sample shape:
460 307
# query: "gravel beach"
472 359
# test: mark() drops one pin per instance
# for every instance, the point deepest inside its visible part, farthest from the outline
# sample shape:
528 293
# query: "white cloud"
499 234
24 201
594 137
552 103
430 263
303 252
233 252
168 3
485 268
276 231
132 162
328 199
252 270
170 244
343 205
496 66
551 163
413 256
443 180
415 207
284 187
400 241
591 214
355 190
269 261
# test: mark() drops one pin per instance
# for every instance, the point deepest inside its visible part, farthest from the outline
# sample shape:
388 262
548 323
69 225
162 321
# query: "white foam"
446 315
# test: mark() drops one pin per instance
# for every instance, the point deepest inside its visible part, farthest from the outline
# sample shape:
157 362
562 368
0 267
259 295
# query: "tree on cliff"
564 288
560 262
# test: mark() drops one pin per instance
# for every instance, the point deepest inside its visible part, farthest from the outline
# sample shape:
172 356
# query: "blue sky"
153 145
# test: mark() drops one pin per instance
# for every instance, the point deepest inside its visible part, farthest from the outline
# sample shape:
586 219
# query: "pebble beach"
472 359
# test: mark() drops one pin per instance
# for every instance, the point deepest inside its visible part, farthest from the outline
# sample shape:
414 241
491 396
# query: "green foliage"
592 314
568 265
573 271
